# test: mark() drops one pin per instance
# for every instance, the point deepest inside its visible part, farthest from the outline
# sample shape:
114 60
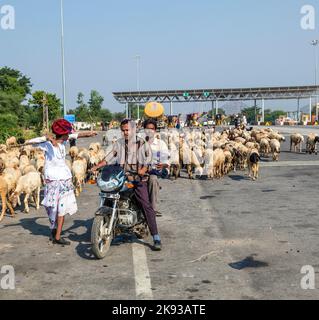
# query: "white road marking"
290 164
143 286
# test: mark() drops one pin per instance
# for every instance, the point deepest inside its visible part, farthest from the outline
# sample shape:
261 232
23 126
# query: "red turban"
61 127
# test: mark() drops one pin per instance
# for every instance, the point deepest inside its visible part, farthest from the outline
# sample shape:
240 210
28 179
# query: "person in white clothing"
160 162
59 199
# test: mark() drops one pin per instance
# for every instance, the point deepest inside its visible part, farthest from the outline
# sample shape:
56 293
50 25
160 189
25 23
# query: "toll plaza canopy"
270 93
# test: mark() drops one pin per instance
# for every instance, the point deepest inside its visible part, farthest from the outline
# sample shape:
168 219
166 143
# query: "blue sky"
183 44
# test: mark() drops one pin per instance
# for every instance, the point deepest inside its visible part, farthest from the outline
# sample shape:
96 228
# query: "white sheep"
12 141
275 149
85 154
24 162
174 160
79 168
74 152
95 147
11 176
30 185
40 161
10 160
265 147
296 140
27 169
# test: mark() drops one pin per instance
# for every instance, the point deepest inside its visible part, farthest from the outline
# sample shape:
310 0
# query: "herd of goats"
204 153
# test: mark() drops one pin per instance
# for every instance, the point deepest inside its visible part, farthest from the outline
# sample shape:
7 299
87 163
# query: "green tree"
82 112
36 105
272 116
14 82
95 104
12 103
105 115
119 116
14 88
93 111
134 111
251 113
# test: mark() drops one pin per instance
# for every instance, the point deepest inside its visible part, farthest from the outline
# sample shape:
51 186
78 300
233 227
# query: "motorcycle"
119 212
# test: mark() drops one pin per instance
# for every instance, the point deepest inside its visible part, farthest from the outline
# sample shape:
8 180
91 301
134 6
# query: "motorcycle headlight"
108 186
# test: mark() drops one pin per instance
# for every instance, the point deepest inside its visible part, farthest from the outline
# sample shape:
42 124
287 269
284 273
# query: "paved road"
292 129
270 226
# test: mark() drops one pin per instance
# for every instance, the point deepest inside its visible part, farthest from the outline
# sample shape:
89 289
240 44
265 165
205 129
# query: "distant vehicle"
83 126
285 121
205 120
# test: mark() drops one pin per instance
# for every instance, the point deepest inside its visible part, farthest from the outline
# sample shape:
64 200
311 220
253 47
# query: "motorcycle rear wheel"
100 242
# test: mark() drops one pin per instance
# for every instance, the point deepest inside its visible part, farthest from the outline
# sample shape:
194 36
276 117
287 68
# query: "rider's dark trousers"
142 196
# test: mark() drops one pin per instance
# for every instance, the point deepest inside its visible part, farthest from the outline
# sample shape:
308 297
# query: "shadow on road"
31 225
238 178
248 262
129 238
84 247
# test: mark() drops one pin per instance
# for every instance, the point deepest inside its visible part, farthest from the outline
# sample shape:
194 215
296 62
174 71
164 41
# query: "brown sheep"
253 164
74 152
228 161
219 159
4 193
312 141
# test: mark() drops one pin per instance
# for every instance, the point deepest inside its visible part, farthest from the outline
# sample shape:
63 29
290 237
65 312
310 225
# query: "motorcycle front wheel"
100 241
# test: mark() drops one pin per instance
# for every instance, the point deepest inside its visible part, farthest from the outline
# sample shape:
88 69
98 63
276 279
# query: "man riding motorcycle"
135 155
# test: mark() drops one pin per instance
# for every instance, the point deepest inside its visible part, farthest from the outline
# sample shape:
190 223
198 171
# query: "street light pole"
315 43
63 60
138 59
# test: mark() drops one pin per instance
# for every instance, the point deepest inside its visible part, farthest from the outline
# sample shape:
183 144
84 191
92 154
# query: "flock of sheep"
216 154
21 172
201 152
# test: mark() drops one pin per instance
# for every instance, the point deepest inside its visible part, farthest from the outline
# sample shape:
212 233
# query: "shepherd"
59 198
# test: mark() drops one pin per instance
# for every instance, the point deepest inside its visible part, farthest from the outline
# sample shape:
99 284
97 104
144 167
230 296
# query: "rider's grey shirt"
131 155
